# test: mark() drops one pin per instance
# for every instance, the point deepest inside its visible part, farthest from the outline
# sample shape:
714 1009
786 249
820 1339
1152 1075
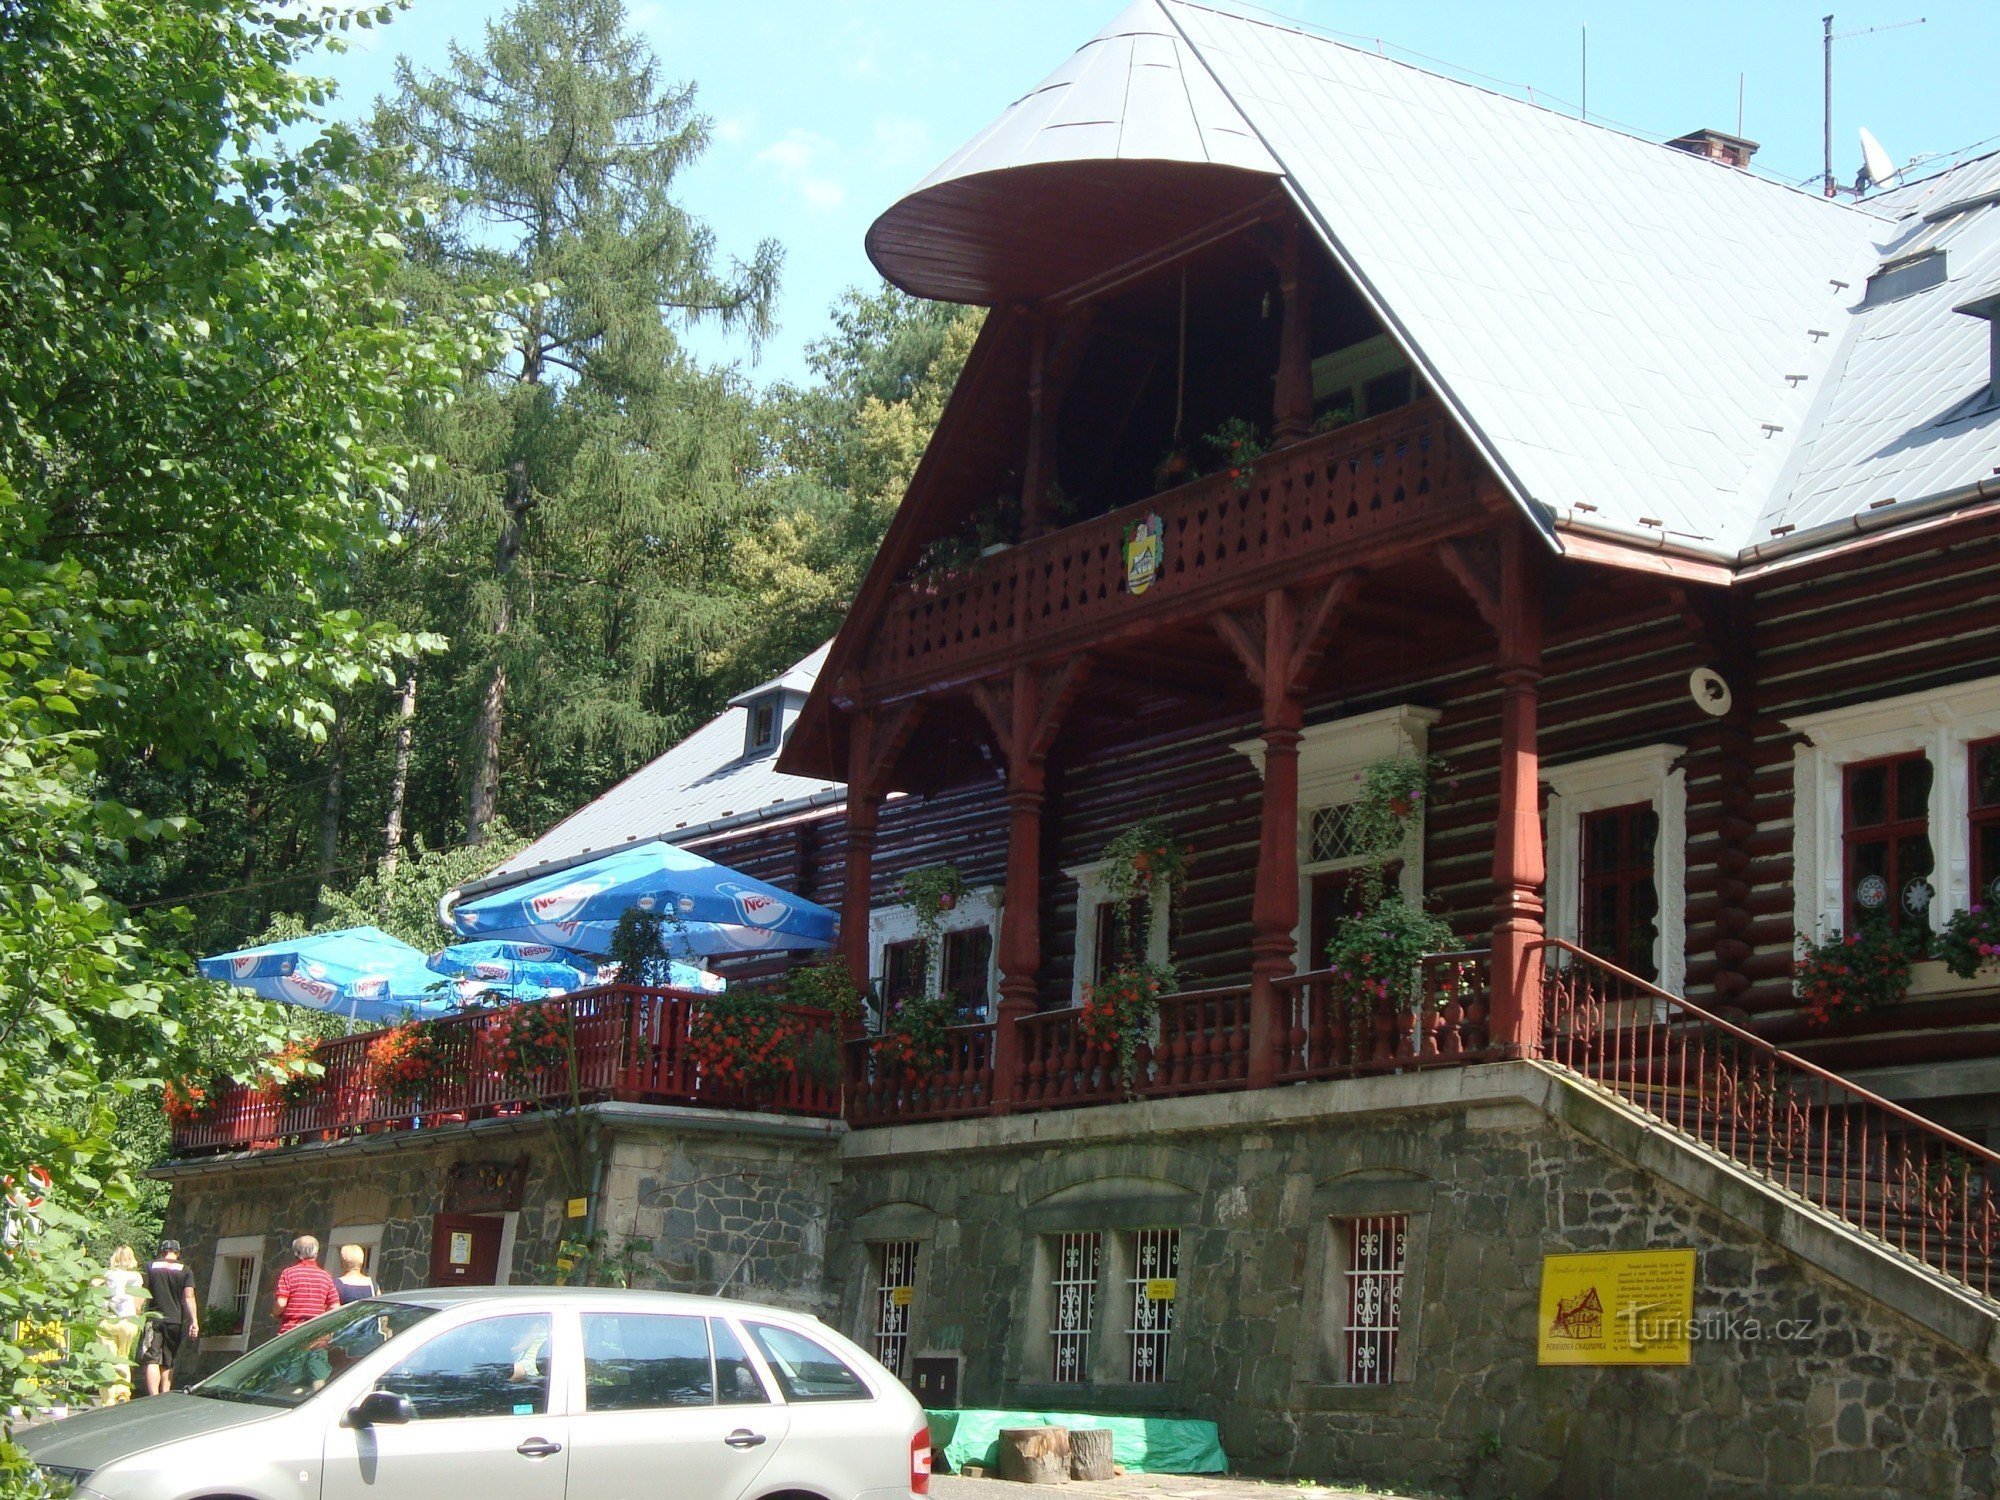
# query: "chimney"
1716 145
1988 307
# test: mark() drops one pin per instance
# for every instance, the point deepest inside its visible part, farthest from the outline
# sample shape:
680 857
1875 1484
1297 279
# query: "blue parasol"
711 908
557 970
360 972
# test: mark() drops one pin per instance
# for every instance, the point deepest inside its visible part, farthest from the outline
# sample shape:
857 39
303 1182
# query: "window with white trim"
1332 759
1153 1268
1617 860
963 961
367 1236
895 1265
232 1290
1372 1289
1073 1266
1836 844
1101 928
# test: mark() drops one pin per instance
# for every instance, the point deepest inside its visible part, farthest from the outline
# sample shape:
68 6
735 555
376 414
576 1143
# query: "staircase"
1924 1191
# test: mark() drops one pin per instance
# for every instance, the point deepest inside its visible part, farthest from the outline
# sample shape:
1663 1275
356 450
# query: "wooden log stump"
1090 1453
1035 1455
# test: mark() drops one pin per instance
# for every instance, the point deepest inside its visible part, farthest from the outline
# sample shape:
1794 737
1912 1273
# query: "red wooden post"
1021 915
1518 869
1292 413
1274 910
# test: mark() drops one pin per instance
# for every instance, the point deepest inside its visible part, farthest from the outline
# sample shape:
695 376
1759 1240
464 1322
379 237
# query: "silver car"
522 1393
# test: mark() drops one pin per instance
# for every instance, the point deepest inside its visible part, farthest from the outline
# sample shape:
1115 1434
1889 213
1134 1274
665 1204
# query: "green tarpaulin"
1144 1445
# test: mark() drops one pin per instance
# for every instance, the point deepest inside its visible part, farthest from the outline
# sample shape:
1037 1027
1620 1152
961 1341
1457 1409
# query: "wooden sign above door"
485 1187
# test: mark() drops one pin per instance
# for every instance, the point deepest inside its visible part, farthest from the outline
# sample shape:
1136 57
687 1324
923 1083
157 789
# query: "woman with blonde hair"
123 1290
354 1283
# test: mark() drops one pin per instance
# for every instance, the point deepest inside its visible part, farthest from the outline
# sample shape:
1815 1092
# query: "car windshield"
294 1366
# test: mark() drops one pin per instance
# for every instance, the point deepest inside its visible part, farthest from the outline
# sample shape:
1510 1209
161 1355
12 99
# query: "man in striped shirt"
305 1290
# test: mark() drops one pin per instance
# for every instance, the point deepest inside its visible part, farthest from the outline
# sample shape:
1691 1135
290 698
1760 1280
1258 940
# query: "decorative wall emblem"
1871 891
485 1187
1145 552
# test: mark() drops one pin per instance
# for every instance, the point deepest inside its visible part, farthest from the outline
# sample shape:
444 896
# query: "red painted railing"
880 1093
1334 492
631 1044
1333 1033
1924 1190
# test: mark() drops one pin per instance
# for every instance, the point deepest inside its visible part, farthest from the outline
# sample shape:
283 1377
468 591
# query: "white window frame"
1093 890
1332 757
1648 774
977 908
368 1236
1943 723
222 1290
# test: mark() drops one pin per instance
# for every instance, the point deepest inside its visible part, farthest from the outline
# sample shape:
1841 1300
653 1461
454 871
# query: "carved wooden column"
1274 909
1291 417
1518 867
1280 658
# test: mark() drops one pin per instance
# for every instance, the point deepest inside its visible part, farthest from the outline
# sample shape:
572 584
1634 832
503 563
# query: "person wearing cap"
170 1319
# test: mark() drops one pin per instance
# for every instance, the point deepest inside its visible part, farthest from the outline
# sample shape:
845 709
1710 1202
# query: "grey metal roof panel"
704 778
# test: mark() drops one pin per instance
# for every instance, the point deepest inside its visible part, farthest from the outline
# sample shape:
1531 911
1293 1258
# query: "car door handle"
539 1448
743 1437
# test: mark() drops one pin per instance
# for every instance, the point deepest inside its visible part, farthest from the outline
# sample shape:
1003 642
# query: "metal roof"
1643 342
704 783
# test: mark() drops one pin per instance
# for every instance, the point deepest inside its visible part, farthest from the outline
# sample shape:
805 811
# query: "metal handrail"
1913 1184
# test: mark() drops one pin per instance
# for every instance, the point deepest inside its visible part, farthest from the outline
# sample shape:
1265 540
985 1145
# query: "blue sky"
825 111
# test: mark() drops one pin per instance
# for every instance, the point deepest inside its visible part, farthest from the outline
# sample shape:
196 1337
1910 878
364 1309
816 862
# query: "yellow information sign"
902 1296
1633 1308
578 1207
1161 1289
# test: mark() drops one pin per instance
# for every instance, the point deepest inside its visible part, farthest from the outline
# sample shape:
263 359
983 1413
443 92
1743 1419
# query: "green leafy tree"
201 352
592 480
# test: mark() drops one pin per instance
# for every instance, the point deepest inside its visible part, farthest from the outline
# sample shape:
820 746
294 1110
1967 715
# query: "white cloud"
734 130
901 140
804 162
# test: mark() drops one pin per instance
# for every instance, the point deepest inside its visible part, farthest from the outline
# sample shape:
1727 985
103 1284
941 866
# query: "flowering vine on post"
1122 1007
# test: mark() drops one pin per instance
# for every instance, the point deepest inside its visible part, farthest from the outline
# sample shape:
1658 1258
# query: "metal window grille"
1374 1297
895 1293
1156 1269
245 1282
1075 1301
1334 835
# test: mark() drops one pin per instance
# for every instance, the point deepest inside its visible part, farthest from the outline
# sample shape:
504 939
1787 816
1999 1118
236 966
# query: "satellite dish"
1711 693
1875 163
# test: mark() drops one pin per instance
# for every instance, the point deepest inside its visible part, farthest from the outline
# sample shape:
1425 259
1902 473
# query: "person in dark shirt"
170 1319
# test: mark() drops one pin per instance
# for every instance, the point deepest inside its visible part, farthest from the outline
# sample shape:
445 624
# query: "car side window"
497 1367
806 1371
736 1382
644 1361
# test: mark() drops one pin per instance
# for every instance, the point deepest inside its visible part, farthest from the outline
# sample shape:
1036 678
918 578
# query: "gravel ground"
1153 1487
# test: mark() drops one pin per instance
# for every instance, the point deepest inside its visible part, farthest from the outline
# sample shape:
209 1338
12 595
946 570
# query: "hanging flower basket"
406 1061
744 1043
913 1039
190 1103
1971 941
295 1075
1119 1012
529 1041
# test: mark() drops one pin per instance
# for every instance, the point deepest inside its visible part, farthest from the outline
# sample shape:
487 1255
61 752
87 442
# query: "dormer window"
760 733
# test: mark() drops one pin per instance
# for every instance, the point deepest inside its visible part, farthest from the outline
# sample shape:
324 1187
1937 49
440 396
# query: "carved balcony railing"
1392 481
1332 1032
630 1044
1922 1189
883 1093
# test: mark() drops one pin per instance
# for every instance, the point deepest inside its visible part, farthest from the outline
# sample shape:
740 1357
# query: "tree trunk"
1090 1453
1035 1455
484 795
399 776
329 809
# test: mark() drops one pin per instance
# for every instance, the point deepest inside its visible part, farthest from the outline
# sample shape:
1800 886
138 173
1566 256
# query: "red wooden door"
465 1250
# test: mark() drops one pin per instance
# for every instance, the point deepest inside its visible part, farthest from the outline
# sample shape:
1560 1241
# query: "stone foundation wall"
1866 1402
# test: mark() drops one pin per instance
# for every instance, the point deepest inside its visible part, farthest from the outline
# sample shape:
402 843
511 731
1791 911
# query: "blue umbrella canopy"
556 970
359 972
710 908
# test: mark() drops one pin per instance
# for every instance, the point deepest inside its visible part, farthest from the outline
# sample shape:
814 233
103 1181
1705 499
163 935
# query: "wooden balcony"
634 1045
1391 484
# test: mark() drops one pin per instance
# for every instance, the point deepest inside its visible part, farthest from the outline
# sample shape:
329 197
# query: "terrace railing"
1395 477
1914 1185
1333 1032
630 1044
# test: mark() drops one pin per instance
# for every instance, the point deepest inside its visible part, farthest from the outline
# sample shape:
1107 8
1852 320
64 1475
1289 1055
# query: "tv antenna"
1828 39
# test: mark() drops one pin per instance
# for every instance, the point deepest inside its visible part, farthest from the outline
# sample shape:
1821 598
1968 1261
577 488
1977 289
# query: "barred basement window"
1375 1248
895 1293
1074 1288
246 1283
1155 1285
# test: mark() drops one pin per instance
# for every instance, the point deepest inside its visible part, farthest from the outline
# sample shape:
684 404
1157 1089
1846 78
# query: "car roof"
442 1297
